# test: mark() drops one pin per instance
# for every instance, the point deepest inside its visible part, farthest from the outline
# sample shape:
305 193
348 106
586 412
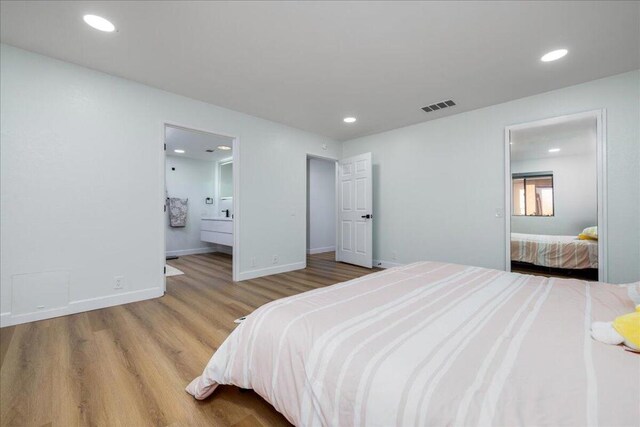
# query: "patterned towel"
178 209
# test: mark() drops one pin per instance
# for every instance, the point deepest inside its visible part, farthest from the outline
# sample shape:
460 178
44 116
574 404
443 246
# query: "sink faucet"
226 213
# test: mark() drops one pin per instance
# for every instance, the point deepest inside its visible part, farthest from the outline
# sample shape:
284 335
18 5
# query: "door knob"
367 216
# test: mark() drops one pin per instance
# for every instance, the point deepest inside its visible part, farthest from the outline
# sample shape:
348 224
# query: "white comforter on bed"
436 344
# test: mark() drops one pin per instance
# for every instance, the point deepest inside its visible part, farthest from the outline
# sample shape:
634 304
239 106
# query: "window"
532 194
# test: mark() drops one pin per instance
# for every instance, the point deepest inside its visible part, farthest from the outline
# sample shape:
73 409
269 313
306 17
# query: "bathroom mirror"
226 180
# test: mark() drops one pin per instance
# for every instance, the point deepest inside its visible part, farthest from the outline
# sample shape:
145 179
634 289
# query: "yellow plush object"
629 327
589 233
585 237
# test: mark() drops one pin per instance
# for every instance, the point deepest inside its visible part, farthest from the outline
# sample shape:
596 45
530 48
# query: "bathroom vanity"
217 230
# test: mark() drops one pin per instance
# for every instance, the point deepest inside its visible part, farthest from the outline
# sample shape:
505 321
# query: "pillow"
633 289
589 233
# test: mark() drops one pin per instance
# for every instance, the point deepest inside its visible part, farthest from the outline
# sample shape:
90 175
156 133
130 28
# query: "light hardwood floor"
128 365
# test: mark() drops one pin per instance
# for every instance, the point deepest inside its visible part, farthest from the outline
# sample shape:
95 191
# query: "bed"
566 252
435 344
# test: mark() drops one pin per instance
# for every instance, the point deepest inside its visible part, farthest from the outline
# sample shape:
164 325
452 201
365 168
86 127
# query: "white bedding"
554 251
436 344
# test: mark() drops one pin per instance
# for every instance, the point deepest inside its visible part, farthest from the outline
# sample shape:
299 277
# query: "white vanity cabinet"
217 230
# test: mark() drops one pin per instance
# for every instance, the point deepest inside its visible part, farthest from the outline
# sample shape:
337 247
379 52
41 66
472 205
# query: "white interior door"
355 215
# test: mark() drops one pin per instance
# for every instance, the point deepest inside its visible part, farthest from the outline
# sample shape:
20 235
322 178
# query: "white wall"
194 180
437 184
575 195
321 210
82 187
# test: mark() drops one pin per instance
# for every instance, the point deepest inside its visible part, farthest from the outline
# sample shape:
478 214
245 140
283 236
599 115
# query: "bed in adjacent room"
567 252
552 255
435 344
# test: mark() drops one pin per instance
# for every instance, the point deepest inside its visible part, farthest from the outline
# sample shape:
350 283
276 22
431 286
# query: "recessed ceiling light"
178 151
349 119
554 150
99 23
554 55
224 147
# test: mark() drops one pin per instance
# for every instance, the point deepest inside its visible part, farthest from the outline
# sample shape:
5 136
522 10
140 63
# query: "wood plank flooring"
128 365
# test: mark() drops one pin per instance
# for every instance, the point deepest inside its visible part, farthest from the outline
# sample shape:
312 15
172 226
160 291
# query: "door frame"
235 155
601 174
306 198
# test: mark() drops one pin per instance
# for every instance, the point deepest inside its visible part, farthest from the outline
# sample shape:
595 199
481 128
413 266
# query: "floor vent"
438 106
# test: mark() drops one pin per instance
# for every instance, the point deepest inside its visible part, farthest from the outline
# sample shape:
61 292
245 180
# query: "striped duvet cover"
554 251
436 344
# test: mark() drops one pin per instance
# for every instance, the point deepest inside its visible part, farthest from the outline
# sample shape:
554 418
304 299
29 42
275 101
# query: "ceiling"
571 136
195 144
309 64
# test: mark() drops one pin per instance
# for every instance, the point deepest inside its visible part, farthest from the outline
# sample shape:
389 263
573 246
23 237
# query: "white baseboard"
225 249
385 264
321 250
185 252
82 305
277 269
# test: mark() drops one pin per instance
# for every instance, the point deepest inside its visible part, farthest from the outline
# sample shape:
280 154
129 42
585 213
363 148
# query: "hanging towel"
178 209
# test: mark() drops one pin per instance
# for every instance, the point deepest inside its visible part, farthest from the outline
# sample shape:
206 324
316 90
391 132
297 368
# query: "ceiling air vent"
438 106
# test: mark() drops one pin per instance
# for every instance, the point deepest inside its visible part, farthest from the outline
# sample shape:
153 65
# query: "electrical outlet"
253 262
394 255
276 259
119 282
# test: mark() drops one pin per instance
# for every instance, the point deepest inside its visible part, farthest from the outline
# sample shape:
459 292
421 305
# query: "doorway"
351 215
555 196
321 206
200 194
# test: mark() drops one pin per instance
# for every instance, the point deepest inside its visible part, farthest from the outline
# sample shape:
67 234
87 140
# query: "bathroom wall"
194 180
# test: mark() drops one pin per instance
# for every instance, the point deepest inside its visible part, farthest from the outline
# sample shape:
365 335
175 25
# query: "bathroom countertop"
216 218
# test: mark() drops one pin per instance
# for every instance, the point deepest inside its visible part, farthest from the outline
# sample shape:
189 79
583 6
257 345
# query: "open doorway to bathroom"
199 198
321 207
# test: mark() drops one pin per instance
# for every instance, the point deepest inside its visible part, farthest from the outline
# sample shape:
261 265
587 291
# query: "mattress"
435 344
554 251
